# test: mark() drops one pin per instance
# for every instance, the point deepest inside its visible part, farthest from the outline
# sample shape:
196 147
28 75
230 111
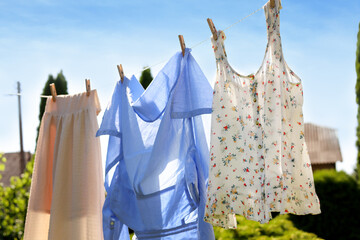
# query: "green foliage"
13 204
2 164
339 196
61 88
278 228
357 89
146 78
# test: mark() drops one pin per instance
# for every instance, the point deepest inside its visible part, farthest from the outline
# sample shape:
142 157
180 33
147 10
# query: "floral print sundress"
259 161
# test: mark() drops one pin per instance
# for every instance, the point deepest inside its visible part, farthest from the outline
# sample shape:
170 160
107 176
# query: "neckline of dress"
253 75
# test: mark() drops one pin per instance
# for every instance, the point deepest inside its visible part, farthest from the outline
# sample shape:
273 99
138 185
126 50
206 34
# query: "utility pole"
22 157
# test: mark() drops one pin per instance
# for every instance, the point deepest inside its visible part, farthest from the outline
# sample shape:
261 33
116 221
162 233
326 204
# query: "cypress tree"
357 88
146 78
61 88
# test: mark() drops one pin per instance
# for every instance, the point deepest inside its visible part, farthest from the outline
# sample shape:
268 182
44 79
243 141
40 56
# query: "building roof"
12 166
322 144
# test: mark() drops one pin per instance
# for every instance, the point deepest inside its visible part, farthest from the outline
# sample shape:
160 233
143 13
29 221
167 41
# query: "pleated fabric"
67 192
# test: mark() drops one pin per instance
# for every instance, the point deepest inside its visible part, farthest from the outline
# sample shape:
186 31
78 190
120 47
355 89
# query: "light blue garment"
158 148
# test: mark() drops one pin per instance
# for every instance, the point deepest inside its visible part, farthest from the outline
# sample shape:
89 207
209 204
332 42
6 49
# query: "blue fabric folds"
158 155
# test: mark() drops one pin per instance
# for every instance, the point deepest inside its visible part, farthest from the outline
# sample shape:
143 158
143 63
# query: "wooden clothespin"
272 3
182 44
53 91
87 86
121 72
212 28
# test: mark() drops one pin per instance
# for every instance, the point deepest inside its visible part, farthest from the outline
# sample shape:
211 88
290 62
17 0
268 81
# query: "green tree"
13 204
357 88
339 195
2 164
280 228
61 88
146 78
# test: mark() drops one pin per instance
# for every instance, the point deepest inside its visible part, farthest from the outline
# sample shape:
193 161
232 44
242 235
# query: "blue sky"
86 39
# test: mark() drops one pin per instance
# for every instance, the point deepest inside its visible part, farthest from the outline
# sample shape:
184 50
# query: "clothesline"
163 179
207 39
195 45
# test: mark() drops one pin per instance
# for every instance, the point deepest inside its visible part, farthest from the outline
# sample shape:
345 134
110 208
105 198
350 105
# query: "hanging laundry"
158 149
67 195
259 160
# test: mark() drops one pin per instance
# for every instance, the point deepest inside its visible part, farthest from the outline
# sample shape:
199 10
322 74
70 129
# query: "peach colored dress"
67 192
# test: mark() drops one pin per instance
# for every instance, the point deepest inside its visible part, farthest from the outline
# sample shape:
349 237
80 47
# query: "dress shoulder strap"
272 16
218 46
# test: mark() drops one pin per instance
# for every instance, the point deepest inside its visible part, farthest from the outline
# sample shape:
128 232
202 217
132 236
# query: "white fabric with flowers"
259 160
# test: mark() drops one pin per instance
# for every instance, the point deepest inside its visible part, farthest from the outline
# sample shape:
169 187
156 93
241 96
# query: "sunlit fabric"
158 149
